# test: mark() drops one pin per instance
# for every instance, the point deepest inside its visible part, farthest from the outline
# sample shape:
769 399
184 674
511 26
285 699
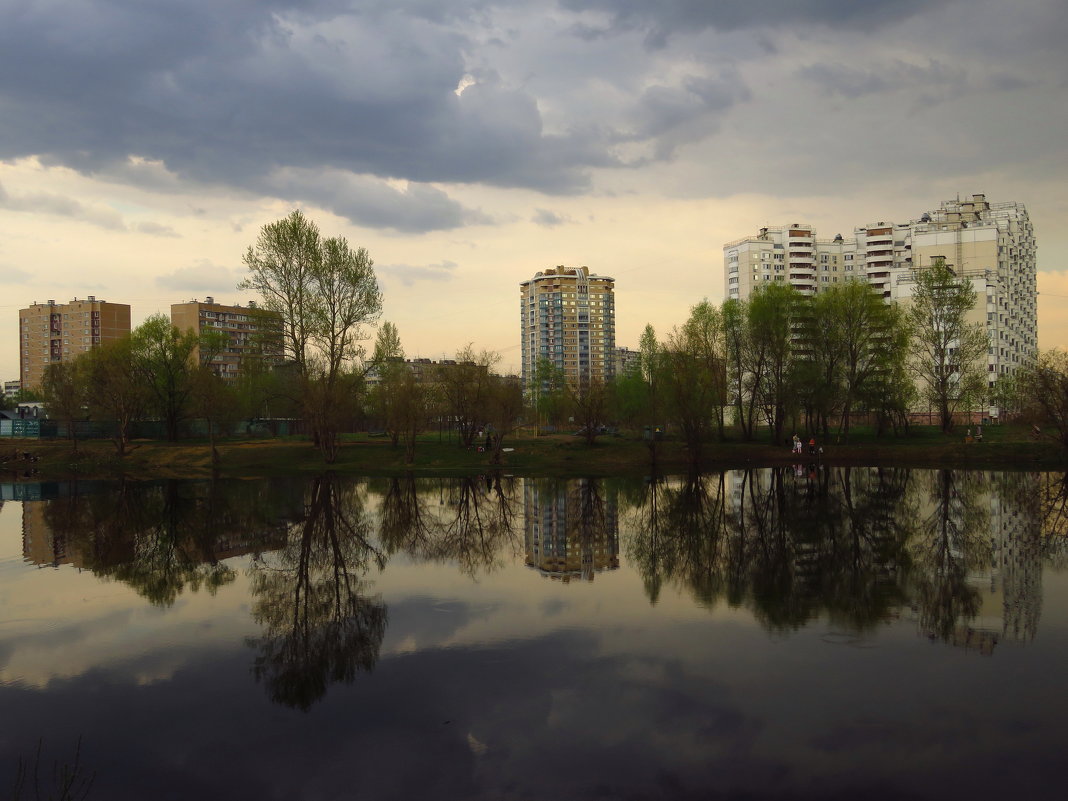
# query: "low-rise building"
250 332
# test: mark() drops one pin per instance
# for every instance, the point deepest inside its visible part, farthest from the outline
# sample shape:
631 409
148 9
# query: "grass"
1004 447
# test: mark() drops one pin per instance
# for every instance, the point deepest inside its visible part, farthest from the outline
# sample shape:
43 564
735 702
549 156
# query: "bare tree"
66 392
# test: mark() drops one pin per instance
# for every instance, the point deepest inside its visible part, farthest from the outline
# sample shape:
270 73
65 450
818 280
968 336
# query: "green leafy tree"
735 317
324 292
947 351
164 357
694 377
394 380
851 343
773 311
548 392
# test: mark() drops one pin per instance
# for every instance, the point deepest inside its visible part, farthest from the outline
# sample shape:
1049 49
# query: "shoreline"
556 455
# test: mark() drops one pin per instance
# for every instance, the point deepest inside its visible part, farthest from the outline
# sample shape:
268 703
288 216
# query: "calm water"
790 634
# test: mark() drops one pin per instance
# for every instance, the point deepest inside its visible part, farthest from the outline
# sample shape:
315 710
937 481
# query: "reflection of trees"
465 520
1052 508
787 545
319 628
679 536
163 538
952 541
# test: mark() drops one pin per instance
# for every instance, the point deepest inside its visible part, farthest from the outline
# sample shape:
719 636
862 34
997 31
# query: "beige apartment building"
567 316
990 244
244 326
56 332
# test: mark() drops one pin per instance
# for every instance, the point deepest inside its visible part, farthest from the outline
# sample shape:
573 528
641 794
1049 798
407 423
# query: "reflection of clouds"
498 685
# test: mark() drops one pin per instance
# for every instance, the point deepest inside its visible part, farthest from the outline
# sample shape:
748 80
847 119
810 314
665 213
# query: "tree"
164 358
652 366
875 337
280 271
588 403
947 351
214 399
66 393
118 392
504 408
852 343
694 379
1040 391
465 387
772 315
735 317
324 292
388 362
548 391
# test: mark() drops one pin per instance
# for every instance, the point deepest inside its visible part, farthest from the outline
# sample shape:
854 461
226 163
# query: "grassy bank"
1004 447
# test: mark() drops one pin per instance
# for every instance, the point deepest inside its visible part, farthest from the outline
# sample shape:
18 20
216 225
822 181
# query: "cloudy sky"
469 143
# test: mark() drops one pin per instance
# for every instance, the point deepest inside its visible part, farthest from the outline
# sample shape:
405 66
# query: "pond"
795 633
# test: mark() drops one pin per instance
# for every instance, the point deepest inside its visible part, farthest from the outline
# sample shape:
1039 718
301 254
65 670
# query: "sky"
468 144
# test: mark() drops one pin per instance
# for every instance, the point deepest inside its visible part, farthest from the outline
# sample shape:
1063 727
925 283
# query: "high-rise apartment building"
990 244
247 331
57 332
567 316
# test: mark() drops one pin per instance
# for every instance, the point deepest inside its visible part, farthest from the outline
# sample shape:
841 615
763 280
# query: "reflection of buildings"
1015 533
46 544
39 544
571 529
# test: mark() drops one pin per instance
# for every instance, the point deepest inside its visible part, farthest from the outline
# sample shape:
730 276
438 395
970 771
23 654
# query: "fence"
143 429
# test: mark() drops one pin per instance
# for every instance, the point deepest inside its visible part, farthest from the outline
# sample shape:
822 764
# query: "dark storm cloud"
323 100
677 16
853 82
229 94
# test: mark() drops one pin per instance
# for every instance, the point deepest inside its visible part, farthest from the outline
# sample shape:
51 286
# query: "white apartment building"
567 316
991 244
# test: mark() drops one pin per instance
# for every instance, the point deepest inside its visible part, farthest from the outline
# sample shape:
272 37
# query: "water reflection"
319 624
958 553
571 528
862 546
355 617
470 521
158 538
